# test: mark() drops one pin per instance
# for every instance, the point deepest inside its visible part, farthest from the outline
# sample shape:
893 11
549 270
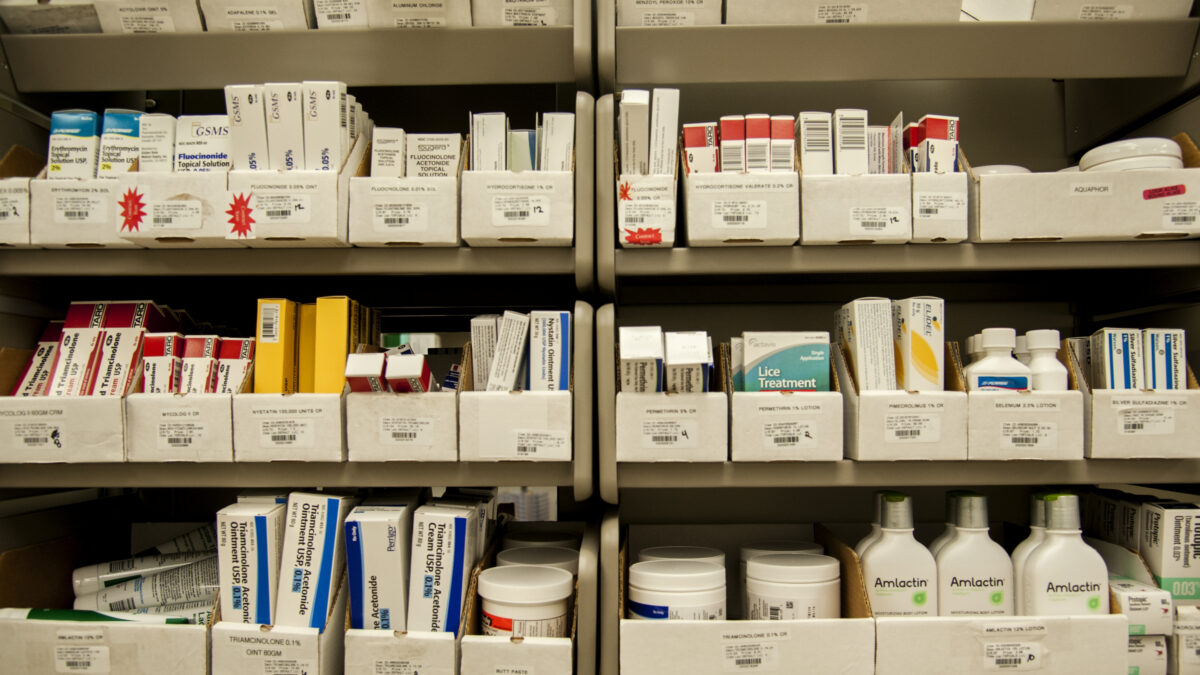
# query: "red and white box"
35 379
700 148
235 362
783 143
913 135
364 372
77 359
408 373
199 369
938 127
119 362
162 363
733 144
758 143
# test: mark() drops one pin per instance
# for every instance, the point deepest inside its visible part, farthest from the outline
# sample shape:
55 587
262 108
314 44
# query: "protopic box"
640 353
238 16
687 362
550 351
119 142
199 364
297 427
324 108
149 16
870 344
782 361
742 209
74 144
247 127
733 143
364 372
1149 609
920 343
249 551
202 143
402 427
633 131
442 557
664 125
167 427
1148 654
855 209
850 142
284 113
815 131
387 153
801 12
1170 532
1116 355
68 429
662 13
511 345
1165 363
485 329
377 550
408 373
313 559
1185 642
162 363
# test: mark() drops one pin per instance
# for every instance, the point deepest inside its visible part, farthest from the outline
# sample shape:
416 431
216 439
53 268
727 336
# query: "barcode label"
678 432
283 438
520 210
1025 441
516 214
912 428
739 214
1146 421
179 441
781 157
406 431
841 13
874 220
36 440
1183 219
13 205
787 434
403 435
76 215
852 133
121 606
758 155
1009 656
343 16
76 658
71 209
634 220
941 205
1007 661
278 213
748 662
34 435
733 157
786 440
526 450
1134 426
928 212
1180 214
268 322
664 438
284 209
287 433
741 656
398 220
775 613
734 218
532 444
817 135
873 224
388 215
907 433
176 214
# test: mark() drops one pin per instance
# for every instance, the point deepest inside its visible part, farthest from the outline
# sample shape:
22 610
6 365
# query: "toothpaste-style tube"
187 583
22 614
443 554
377 550
313 559
94 578
549 351
249 541
203 538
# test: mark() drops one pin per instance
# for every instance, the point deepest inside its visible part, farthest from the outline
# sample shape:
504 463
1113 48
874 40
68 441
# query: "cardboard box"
408 374
814 130
76 213
633 131
418 13
407 211
732 140
855 209
668 13
306 348
179 428
991 10
512 345
1185 643
276 370
312 569
14 212
1148 654
1165 357
148 16
249 553
298 427
752 12
724 209
522 13
364 372
402 427
688 362
485 329
369 652
377 570
200 364
1117 357
202 144
35 377
657 427
1149 609
443 555
247 126
1083 10
162 362
782 426
435 155
532 208
531 426
253 649
646 210
940 212
1027 425
67 429
236 16
1170 533
850 142
868 338
175 210
97 647
919 336
1087 206
157 138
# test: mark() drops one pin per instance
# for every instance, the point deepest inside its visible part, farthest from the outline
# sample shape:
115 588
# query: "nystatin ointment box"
249 541
443 554
549 351
313 558
377 549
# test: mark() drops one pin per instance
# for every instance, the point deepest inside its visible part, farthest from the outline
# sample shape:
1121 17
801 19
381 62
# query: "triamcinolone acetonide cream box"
868 335
549 351
35 379
377 550
687 362
443 543
202 143
284 111
919 325
850 142
156 139
199 375
815 131
641 358
247 127
387 153
433 155
162 363
313 558
664 130
120 351
511 349
633 123
1116 355
324 108
119 142
699 148
235 361
74 144
249 545
786 361
1166 358
484 331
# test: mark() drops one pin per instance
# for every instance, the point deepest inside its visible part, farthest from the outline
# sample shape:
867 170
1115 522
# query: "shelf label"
528 13
14 205
520 210
340 12
406 667
1026 404
1189 646
842 12
79 210
418 21
175 215
287 433
283 209
387 216
1025 435
145 18
530 444
1090 190
288 666
1146 422
253 19
912 428
790 435
1105 12
80 659
405 431
1176 215
37 435
665 19
740 214
1007 656
874 220
513 670
941 206
742 655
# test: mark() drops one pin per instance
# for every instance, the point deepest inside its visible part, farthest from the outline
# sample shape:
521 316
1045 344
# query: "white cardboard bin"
660 427
940 210
370 652
646 211
14 212
288 427
775 426
527 208
71 213
529 426
742 209
389 427
255 649
179 428
409 211
175 210
868 209
72 429
128 648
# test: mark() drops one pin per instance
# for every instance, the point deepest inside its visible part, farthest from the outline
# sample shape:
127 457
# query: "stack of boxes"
303 348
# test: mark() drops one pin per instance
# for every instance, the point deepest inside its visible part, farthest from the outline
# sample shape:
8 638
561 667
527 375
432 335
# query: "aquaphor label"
247 127
324 108
119 142
377 549
202 143
285 125
312 559
549 351
786 361
74 144
249 537
442 542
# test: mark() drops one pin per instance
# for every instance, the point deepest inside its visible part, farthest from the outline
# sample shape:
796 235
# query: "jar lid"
525 584
996 169
779 546
704 553
540 538
676 575
793 568
1130 147
552 556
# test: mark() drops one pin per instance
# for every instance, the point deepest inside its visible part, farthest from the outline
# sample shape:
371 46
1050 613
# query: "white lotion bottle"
1037 534
951 515
1049 374
1021 350
900 573
1063 575
873 536
998 370
972 355
975 574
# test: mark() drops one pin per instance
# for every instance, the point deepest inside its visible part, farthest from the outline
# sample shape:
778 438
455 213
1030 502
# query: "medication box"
313 560
406 211
740 209
295 427
443 554
249 552
377 550
1170 531
179 428
640 358
1149 609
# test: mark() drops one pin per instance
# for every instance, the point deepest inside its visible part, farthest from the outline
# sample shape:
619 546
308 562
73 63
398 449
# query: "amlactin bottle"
1064 575
901 574
975 574
873 536
951 518
1020 554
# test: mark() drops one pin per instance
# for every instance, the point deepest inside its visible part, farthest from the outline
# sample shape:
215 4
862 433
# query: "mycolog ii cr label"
249 540
442 557
377 548
312 558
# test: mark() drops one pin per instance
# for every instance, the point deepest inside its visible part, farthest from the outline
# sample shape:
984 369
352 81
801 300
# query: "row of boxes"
907 425
779 209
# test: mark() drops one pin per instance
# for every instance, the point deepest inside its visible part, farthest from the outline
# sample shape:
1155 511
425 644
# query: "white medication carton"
313 558
377 552
74 144
249 547
937 156
1165 363
1148 654
557 150
869 343
35 379
119 142
641 358
511 349
919 325
433 155
485 329
247 127
1116 355
687 362
408 374
550 351
284 113
489 141
758 143
387 152
156 139
202 143
1150 609
324 106
443 543
633 123
815 132
1170 532
364 372
850 142
733 144
522 150
877 149
700 148
664 126
783 143
783 361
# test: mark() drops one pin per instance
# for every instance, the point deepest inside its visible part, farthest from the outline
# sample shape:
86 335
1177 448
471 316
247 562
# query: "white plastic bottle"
951 515
998 370
873 536
972 355
1021 351
1049 374
1037 534
1063 575
975 574
900 573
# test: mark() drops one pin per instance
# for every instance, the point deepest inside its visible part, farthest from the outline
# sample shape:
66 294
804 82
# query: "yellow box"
307 347
337 327
275 364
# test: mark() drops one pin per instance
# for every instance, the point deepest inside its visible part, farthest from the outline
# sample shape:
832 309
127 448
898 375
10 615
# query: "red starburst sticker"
239 215
624 192
643 236
131 210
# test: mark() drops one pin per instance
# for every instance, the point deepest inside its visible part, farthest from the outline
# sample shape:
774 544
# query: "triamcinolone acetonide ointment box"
247 127
549 351
284 111
249 544
443 542
786 361
202 143
313 558
641 358
74 144
377 550
511 348
920 343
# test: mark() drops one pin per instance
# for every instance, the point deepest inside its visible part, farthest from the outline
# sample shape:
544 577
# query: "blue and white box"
1166 358
313 558
641 357
202 143
549 351
285 125
249 545
120 142
443 553
1117 359
377 549
74 144
324 116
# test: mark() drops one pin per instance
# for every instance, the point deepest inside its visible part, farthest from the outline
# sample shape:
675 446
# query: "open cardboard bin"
397 427
175 210
646 211
741 209
759 12
76 213
17 167
289 427
179 427
940 205
864 209
149 16
785 426
409 211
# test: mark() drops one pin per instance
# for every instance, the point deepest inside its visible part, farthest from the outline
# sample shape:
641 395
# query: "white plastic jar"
1133 154
783 586
998 169
677 589
525 600
699 553
758 548
550 556
540 539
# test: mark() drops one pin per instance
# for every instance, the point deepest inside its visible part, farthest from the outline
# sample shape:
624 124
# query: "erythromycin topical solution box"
156 139
202 143
119 142
285 125
511 350
549 351
641 358
433 155
687 362
920 343
1150 610
1116 355
1166 358
377 549
247 127
74 144
784 361
868 336
249 545
1171 545
442 557
324 111
313 558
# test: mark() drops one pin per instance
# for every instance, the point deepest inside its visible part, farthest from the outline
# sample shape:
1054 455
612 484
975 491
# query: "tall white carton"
74 144
377 550
324 117
511 349
202 143
641 358
664 131
387 153
484 331
549 351
433 155
156 139
1148 655
119 142
850 141
920 343
285 125
247 127
1150 610
489 141
1171 547
557 142
633 122
1116 355
313 558
1166 358
687 362
249 545
442 558
815 131
868 336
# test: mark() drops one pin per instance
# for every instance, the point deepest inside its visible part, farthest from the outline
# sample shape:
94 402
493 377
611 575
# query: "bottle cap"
1037 510
972 511
973 344
997 169
897 512
1062 512
1022 346
1042 339
998 338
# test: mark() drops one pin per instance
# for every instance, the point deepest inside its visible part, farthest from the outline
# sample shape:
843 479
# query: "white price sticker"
872 220
841 13
146 19
528 16
253 19
750 656
14 209
289 667
37 435
175 215
178 435
513 670
1042 436
1146 422
78 210
940 206
389 216
341 12
405 431
682 433
912 428
283 209
287 433
80 659
739 214
665 19
1189 643
418 21
1012 656
1177 215
537 442
1105 12
640 214
791 435
405 667
518 210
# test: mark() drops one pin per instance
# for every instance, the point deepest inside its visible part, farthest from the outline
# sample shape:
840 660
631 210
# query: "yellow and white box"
249 546
313 558
920 343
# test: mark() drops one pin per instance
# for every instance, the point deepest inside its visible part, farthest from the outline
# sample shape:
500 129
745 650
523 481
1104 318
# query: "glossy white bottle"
900 573
1037 533
1063 575
998 370
863 544
975 574
951 514
1049 374
1021 351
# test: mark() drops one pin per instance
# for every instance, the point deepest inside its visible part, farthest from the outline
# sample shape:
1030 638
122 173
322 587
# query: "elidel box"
409 211
391 427
70 429
179 428
784 426
292 208
1024 425
1086 206
838 13
903 425
742 209
69 213
174 210
16 168
288 427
